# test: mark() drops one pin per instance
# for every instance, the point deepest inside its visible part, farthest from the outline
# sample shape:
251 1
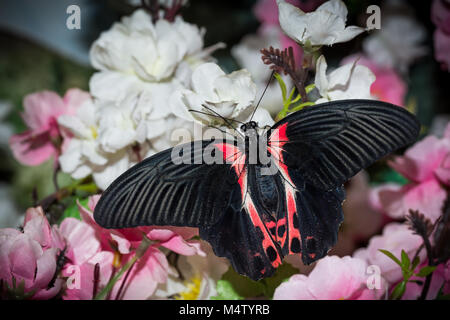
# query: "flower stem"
429 277
140 251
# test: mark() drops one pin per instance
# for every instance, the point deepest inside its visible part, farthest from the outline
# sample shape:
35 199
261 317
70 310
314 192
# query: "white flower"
108 138
230 95
200 274
84 155
325 26
146 59
247 54
397 44
82 152
350 81
150 51
126 123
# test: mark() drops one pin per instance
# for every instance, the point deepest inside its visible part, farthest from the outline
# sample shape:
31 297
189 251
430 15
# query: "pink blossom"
388 86
442 48
427 197
90 244
333 278
440 15
426 165
395 238
43 138
267 10
361 221
29 258
414 290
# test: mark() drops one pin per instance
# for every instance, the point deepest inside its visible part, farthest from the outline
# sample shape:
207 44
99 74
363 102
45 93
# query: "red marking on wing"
270 224
277 140
267 239
292 210
232 154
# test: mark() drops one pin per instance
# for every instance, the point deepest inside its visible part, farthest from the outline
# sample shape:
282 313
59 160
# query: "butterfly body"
271 195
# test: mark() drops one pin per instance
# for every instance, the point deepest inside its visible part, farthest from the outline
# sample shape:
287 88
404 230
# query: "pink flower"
83 253
267 10
414 290
395 238
333 278
388 86
427 165
90 244
43 138
440 15
29 258
442 48
361 221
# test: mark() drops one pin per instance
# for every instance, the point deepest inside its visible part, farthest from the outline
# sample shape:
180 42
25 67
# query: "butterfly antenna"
265 89
214 115
223 118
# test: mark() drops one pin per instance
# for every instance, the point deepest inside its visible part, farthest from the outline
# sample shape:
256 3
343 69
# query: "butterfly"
256 210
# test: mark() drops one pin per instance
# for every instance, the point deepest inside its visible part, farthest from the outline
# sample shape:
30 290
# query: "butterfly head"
249 127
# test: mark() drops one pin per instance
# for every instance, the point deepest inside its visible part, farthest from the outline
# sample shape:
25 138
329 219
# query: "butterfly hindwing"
319 148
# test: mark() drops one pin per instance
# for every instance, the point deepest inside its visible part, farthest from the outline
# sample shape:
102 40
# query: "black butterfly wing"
159 191
213 197
319 148
331 142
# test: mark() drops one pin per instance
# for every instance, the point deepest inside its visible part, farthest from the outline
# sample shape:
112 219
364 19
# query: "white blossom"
82 153
397 44
200 276
150 51
108 139
350 81
230 95
127 123
325 26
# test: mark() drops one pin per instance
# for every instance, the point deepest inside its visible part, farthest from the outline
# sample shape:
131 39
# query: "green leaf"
72 211
301 106
406 263
425 271
390 255
283 273
415 263
282 85
244 286
310 87
226 291
398 291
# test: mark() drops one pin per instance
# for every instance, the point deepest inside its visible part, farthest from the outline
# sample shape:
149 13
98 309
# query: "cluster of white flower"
156 78
150 76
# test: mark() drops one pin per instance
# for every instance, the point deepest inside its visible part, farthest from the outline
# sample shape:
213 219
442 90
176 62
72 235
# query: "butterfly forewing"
159 192
331 142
